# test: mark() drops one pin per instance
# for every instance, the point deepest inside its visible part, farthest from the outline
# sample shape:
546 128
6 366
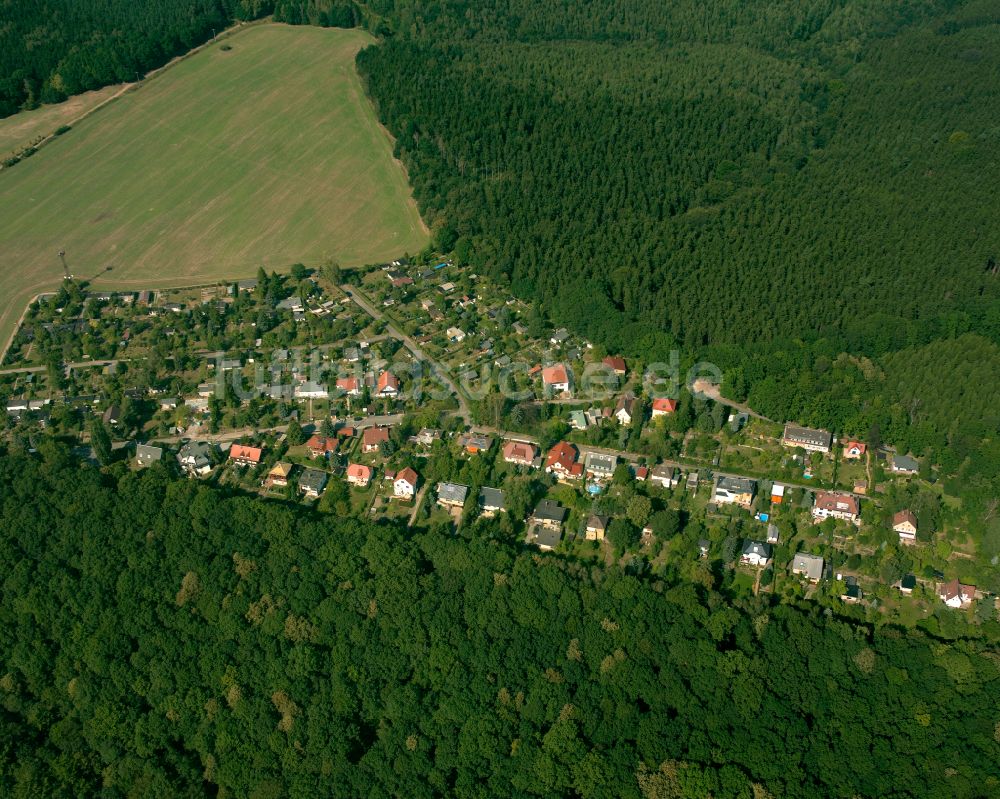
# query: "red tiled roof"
243 453
322 444
616 362
664 405
904 516
562 456
387 380
375 435
844 503
554 374
858 445
359 471
408 475
348 384
519 451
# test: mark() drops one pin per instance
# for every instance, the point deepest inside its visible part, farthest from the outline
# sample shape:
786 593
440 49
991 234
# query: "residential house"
704 545
278 476
807 438
169 403
616 364
735 490
904 464
206 390
861 487
907 584
311 390
755 553
626 408
520 453
549 514
641 473
556 379
692 482
808 566
112 415
388 385
662 406
905 524
578 420
852 591
243 455
595 527
405 484
475 442
195 458
312 482
837 506
956 595
562 462
772 533
520 328
350 386
455 335
665 476
854 450
777 494
452 494
321 446
359 475
146 455
373 438
446 288
427 436
599 466
491 501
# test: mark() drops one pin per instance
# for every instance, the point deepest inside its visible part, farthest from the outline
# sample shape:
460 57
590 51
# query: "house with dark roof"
755 553
312 482
146 455
807 438
595 527
549 513
735 490
904 464
600 466
808 566
491 501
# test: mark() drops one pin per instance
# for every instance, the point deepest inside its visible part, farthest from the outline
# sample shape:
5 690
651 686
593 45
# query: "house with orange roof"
562 462
388 385
956 595
350 386
854 450
904 524
359 475
321 446
556 379
245 456
662 406
616 363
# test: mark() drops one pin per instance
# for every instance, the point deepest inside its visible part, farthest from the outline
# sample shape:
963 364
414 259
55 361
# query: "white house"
755 553
405 484
905 524
837 506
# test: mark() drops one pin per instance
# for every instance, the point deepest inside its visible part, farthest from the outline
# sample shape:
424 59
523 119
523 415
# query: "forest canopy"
160 637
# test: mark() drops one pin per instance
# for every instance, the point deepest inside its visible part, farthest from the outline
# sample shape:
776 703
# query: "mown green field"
265 154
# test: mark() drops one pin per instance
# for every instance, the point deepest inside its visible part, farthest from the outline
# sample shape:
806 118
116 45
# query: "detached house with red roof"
854 450
359 475
562 462
838 506
616 364
373 437
405 484
350 386
556 379
388 385
956 595
519 453
321 446
245 456
662 406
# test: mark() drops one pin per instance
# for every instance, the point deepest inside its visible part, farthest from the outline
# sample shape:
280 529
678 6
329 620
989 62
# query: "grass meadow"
266 153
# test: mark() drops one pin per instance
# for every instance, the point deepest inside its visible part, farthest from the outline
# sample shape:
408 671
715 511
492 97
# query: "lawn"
267 153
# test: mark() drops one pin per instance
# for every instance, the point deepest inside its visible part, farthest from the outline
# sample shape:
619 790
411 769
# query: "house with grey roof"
145 455
755 553
904 464
491 501
452 494
312 482
549 513
808 566
599 466
808 438
735 490
195 458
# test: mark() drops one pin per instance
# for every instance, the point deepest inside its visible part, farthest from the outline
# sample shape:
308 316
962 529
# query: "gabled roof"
597 522
407 475
616 362
860 446
809 565
904 516
387 381
519 451
664 405
147 453
245 453
374 436
322 444
956 590
348 384
841 503
758 548
737 485
452 492
491 498
280 469
807 435
562 456
549 510
359 471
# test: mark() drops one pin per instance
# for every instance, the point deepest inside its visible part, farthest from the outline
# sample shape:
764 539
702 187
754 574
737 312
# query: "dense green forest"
801 192
161 638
